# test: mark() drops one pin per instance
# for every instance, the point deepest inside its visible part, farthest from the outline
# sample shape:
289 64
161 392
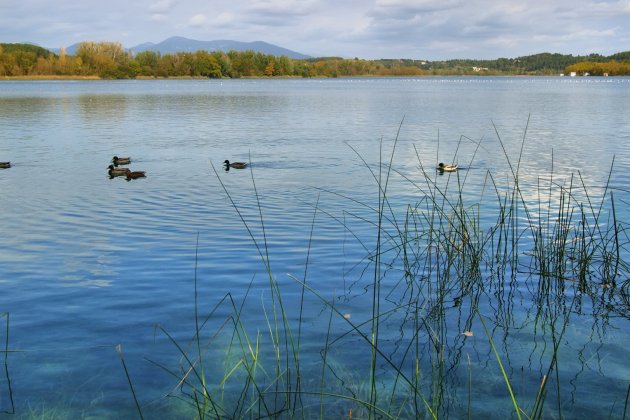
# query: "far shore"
49 77
63 77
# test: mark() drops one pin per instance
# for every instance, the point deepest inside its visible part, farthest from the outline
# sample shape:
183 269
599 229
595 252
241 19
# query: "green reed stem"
6 364
617 247
469 411
135 399
625 406
197 330
503 372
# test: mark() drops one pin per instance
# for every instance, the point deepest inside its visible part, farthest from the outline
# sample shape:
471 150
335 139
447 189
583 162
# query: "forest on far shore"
110 60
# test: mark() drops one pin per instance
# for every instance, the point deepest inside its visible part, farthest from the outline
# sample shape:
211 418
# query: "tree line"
609 68
110 60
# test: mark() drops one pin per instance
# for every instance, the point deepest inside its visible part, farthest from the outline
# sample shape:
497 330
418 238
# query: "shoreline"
81 78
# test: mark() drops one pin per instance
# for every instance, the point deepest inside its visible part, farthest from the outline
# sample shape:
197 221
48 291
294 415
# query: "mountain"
180 44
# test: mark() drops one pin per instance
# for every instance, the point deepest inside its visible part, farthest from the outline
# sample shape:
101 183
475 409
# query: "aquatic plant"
435 271
6 393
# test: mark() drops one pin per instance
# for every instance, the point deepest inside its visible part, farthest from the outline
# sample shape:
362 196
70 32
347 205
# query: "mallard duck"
446 168
135 174
235 165
112 171
121 160
5 165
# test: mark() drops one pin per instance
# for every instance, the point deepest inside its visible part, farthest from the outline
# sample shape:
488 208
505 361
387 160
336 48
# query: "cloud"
162 6
402 9
275 13
426 29
160 10
283 7
158 17
224 20
197 20
587 34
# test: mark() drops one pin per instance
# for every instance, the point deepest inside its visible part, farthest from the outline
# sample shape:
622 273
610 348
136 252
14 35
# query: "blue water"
89 262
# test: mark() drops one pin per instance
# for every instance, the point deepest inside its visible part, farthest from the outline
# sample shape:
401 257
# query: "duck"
5 165
446 168
112 171
134 174
235 165
121 160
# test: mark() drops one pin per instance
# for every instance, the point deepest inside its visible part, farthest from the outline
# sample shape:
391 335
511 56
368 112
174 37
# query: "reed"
452 266
133 392
10 407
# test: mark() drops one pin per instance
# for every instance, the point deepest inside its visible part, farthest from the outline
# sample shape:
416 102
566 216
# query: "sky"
367 29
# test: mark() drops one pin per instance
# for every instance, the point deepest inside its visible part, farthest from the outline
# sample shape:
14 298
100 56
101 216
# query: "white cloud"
224 19
414 6
197 20
162 6
286 7
588 34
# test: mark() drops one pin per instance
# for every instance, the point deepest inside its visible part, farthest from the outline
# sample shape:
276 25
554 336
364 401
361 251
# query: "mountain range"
180 44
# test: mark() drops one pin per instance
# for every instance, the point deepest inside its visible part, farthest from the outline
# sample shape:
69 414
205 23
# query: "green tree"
243 63
224 63
206 65
148 62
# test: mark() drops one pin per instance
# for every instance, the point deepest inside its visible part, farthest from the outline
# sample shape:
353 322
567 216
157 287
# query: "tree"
148 62
204 64
243 63
107 59
269 69
25 61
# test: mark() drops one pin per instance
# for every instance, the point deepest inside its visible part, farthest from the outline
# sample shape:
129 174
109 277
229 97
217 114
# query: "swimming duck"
446 168
235 165
135 174
5 165
121 160
112 171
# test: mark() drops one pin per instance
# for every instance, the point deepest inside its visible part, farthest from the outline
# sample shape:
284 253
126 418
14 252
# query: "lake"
89 263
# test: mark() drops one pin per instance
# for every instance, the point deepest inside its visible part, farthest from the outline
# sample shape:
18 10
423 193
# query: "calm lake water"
88 262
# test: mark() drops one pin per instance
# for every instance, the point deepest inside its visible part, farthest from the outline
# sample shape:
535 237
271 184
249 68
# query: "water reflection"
102 109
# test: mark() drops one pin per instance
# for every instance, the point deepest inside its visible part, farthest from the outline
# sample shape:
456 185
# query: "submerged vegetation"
110 60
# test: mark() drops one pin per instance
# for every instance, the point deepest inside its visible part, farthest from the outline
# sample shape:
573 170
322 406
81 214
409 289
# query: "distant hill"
179 44
35 49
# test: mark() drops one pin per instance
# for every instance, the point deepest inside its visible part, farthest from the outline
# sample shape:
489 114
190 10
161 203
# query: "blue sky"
370 29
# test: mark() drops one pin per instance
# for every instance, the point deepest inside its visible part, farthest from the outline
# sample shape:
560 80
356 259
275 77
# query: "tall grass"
561 248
